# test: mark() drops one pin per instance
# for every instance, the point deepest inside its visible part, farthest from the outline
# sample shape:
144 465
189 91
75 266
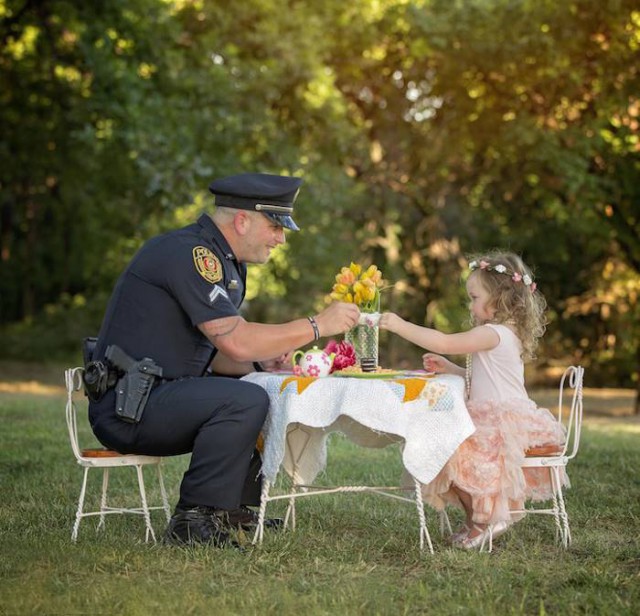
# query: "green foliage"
424 130
503 124
58 332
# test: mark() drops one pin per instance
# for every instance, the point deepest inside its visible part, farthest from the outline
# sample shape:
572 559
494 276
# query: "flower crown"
525 279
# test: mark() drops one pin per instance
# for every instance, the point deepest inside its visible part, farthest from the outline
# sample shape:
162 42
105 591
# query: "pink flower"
297 370
345 354
484 264
313 371
516 277
332 347
533 286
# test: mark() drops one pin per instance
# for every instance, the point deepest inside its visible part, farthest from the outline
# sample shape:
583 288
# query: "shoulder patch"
207 264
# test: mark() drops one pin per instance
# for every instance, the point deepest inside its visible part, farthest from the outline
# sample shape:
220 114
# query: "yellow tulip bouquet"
362 287
357 286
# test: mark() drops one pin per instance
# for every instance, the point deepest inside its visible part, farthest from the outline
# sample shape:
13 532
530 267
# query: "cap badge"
207 264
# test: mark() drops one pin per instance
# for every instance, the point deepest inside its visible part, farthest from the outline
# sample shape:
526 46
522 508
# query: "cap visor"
283 221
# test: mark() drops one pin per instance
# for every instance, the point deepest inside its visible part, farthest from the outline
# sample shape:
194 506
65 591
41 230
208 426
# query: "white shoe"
501 528
491 532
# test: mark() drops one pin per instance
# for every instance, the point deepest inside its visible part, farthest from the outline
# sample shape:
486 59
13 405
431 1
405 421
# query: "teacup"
370 319
314 362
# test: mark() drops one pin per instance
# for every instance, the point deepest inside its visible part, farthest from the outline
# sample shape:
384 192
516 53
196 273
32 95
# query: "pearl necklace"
467 376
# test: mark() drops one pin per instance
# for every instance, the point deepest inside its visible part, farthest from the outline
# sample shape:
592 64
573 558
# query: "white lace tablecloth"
428 416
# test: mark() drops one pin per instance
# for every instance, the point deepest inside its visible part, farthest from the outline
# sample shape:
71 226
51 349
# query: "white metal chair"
107 459
556 458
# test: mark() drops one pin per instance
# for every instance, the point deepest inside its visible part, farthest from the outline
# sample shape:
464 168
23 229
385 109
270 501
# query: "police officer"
177 303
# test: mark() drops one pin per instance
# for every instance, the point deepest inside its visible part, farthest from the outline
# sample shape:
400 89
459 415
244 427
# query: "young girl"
484 476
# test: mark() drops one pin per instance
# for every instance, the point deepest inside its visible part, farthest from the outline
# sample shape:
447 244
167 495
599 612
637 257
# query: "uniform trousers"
218 419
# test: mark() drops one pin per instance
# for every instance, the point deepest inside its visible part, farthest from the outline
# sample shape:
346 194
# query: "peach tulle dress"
488 464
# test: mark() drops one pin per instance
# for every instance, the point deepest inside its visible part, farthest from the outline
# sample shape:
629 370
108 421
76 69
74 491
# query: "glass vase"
364 340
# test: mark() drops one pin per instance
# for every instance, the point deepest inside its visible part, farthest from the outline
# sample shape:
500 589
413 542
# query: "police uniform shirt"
175 282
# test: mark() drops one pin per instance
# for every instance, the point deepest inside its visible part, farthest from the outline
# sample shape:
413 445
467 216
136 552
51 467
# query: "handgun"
134 386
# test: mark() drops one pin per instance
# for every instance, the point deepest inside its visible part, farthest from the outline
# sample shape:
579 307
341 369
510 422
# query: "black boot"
197 525
246 519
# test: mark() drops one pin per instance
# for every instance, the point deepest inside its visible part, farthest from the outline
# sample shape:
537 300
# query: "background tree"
510 124
424 130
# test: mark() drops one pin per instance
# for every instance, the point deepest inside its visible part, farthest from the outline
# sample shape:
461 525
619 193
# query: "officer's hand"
337 318
278 363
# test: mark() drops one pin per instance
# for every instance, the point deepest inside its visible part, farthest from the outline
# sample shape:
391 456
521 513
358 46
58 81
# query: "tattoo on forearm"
227 332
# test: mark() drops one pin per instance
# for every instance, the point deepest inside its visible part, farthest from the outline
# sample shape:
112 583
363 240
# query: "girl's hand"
389 321
438 364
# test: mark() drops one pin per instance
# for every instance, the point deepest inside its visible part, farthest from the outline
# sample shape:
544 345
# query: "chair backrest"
570 415
73 380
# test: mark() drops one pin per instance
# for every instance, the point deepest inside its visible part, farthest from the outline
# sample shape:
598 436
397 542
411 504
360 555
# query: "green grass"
351 554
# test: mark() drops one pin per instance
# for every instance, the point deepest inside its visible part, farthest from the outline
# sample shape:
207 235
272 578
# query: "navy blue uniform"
175 282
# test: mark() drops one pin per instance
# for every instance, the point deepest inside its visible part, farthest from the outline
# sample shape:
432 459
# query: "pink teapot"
314 362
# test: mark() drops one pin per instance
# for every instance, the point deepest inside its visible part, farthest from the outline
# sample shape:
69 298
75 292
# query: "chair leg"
145 506
103 497
163 494
291 511
83 489
445 524
566 532
555 509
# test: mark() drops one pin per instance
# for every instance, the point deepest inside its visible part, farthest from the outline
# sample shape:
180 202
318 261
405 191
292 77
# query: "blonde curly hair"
513 295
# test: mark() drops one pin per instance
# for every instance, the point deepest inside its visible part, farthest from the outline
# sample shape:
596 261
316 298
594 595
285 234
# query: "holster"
133 380
132 394
134 386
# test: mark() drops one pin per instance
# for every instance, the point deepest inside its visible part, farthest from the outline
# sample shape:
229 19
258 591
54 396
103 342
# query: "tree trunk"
637 409
28 288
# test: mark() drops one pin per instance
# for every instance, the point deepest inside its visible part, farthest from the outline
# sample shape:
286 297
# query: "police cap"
272 195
